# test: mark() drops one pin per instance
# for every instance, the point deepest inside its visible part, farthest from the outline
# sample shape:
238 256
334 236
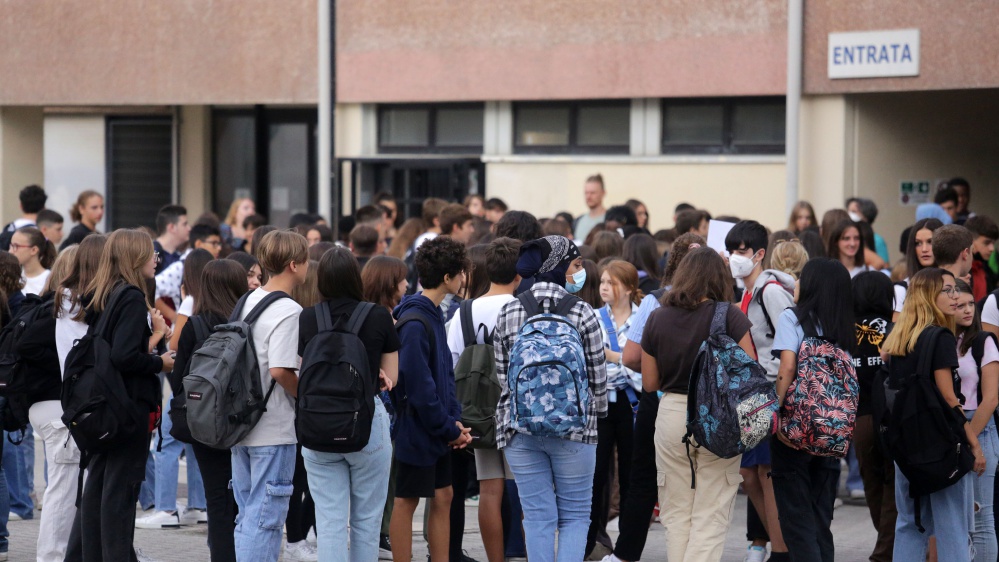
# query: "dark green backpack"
476 383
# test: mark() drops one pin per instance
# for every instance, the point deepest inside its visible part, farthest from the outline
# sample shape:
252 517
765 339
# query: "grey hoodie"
776 298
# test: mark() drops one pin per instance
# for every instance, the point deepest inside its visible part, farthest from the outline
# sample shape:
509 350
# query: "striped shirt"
511 318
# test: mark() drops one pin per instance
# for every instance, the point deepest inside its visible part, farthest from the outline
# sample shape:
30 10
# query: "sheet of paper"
717 231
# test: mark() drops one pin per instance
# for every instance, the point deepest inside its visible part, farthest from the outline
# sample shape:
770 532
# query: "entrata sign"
874 54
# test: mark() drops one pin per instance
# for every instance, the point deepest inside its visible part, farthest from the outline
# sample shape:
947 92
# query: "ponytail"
46 249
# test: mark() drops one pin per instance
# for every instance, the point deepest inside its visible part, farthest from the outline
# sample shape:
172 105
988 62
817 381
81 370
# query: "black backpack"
15 381
96 406
336 390
924 435
179 429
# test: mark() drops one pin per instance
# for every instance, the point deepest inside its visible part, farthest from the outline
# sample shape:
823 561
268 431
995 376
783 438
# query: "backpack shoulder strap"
611 329
324 320
238 310
658 293
467 326
923 364
763 307
719 321
531 305
414 317
565 305
263 304
112 303
201 329
358 317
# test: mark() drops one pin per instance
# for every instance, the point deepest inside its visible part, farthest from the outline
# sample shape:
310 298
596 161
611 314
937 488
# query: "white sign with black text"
874 54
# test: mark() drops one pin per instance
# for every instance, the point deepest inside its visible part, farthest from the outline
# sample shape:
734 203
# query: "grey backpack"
224 395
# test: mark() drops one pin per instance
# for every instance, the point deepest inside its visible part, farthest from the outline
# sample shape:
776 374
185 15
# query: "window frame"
726 146
572 146
432 147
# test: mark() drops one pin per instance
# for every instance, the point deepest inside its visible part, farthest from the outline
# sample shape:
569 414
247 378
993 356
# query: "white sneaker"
158 520
755 554
857 494
13 517
300 551
193 516
311 537
142 557
837 503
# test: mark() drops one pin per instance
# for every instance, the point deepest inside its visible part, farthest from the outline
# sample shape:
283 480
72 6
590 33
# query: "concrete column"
22 159
196 161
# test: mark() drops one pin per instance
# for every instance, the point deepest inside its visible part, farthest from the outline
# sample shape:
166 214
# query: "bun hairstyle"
81 201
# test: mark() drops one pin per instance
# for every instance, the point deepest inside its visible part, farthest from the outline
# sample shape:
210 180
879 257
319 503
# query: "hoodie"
778 295
424 398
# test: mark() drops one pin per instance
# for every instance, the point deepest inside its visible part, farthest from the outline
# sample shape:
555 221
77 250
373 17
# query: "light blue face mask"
578 279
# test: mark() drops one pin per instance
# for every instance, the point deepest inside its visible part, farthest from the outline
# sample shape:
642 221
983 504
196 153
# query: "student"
872 311
824 308
788 257
980 388
985 231
802 217
250 265
963 189
319 233
430 213
14 462
948 513
865 210
491 467
637 507
641 251
365 243
402 243
213 308
384 281
172 232
50 223
846 245
476 205
495 209
918 255
105 521
594 192
349 488
952 250
234 233
696 520
948 200
768 294
191 288
542 463
32 200
250 226
426 385
641 212
36 256
168 280
693 221
456 222
86 212
621 295
263 463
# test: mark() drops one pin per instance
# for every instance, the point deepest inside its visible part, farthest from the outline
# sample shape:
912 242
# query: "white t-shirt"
968 371
990 312
275 337
485 312
423 238
35 285
900 292
168 281
186 306
67 331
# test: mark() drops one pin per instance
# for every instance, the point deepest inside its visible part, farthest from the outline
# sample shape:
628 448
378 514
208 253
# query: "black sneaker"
384 548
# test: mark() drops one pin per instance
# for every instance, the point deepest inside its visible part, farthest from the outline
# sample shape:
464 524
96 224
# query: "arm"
185 348
746 343
390 366
178 325
990 397
786 373
167 312
650 373
631 356
945 384
873 260
287 379
421 389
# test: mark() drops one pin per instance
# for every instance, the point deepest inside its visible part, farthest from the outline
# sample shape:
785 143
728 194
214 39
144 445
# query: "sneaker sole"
156 527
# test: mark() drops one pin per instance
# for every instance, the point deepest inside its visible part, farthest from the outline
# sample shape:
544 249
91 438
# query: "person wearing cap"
543 465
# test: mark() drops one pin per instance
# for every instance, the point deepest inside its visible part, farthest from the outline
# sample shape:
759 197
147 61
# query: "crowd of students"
546 366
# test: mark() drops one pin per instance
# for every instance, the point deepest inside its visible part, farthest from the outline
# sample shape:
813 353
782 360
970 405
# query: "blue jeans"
167 465
29 458
17 479
853 479
555 479
147 492
261 483
947 514
350 489
984 535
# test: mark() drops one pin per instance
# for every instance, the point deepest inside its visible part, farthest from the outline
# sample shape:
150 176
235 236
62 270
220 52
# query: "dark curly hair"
519 225
439 257
10 274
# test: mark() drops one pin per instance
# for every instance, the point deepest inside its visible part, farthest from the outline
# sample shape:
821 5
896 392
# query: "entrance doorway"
411 181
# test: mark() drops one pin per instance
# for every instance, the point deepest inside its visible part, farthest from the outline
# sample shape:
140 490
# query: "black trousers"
618 428
216 472
643 490
461 463
805 488
105 521
301 508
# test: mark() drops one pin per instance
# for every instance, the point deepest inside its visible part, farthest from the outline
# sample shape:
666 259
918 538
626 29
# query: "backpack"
925 437
8 233
96 406
336 391
475 381
731 406
15 382
412 275
179 429
224 394
820 406
549 388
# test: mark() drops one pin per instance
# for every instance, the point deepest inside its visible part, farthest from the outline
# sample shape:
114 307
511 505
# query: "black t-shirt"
377 332
943 357
871 333
75 236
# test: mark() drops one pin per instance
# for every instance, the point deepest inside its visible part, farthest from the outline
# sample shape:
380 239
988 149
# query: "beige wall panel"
195 159
74 160
926 136
439 50
822 178
123 52
957 42
22 155
744 190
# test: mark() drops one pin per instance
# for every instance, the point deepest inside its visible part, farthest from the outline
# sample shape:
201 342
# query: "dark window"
588 127
723 126
450 128
139 169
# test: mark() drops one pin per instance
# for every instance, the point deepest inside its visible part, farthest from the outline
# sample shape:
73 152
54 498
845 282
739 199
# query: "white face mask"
855 217
741 266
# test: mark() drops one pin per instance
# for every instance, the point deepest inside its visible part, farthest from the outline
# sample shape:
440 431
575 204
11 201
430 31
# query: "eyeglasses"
214 243
158 258
951 292
15 247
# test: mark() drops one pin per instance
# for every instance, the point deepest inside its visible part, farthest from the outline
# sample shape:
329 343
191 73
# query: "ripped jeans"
984 535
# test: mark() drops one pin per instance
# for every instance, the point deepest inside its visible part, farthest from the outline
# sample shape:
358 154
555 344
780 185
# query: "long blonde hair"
122 260
919 312
64 264
230 217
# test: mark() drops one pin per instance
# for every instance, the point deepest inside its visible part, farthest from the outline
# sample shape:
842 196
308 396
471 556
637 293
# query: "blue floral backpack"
731 406
549 388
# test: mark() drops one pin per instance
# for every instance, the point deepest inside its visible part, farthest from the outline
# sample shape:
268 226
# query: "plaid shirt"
511 318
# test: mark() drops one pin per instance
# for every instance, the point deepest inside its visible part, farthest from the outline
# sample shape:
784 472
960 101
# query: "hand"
979 459
168 361
159 323
464 438
386 383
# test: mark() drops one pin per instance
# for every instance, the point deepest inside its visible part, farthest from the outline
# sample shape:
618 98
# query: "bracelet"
160 332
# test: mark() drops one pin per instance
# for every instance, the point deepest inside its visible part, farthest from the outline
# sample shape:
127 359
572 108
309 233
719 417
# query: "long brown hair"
381 277
702 274
307 294
404 238
125 254
227 278
801 206
88 257
681 247
970 333
10 274
194 264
